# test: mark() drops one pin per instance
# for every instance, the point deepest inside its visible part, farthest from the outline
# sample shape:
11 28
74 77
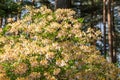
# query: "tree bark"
62 4
92 13
21 1
110 32
6 20
0 22
114 35
18 16
33 2
104 24
10 18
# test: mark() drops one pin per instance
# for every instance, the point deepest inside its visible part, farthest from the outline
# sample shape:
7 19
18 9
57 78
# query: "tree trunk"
18 16
114 35
6 20
33 2
10 18
21 1
104 24
0 22
62 4
110 32
92 13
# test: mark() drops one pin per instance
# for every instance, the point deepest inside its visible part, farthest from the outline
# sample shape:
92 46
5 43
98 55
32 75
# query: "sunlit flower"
4 77
56 71
52 78
61 63
21 68
44 62
49 17
2 69
49 55
34 76
34 62
21 78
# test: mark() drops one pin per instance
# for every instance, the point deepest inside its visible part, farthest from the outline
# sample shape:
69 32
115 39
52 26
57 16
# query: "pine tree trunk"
110 29
104 24
6 20
21 1
114 36
33 2
92 13
18 16
0 22
62 4
9 19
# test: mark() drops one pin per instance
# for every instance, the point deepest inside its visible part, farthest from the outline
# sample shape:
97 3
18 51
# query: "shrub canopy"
48 45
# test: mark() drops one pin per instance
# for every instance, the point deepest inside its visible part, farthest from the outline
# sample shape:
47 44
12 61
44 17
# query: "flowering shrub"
48 45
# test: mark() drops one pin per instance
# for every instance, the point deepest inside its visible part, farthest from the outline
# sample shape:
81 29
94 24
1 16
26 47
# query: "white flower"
61 63
56 71
49 55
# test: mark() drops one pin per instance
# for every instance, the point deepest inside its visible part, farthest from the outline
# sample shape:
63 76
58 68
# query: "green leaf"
80 20
6 28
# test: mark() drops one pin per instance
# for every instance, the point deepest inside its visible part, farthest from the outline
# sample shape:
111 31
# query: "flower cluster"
48 45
